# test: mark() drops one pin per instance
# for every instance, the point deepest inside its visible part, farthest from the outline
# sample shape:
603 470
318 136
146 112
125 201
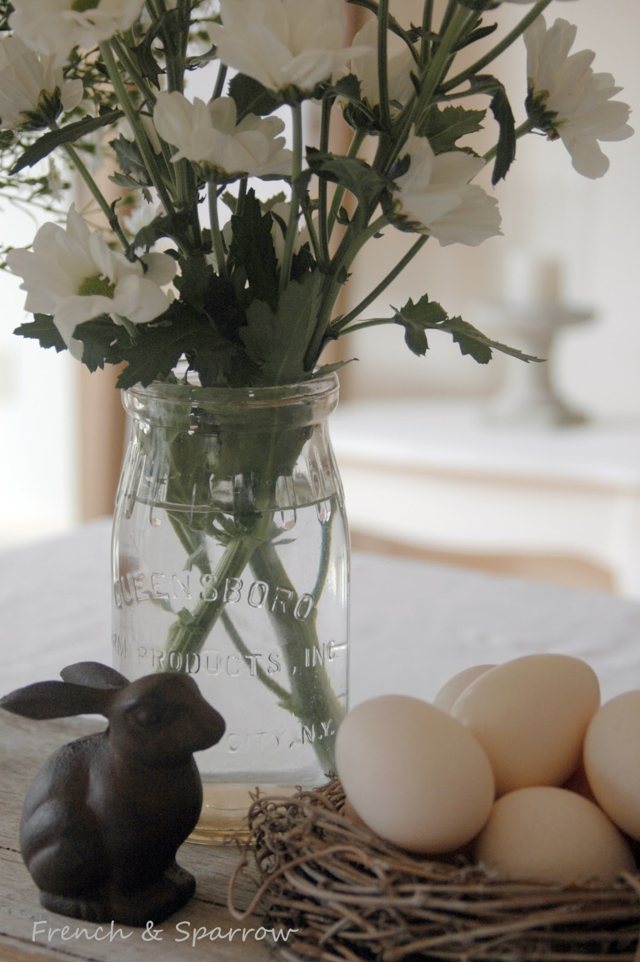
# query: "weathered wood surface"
24 746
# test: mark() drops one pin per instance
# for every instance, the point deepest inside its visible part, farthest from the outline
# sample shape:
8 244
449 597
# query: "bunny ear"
57 699
93 674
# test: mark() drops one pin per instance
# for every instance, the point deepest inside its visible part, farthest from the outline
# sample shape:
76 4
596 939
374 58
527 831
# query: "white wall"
37 419
591 227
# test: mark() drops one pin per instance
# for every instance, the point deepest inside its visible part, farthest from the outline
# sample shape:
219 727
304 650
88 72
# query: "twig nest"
353 897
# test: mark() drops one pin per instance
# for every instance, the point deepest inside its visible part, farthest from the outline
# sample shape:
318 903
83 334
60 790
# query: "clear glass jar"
230 561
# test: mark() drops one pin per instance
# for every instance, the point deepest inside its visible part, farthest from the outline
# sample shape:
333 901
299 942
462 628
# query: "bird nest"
351 896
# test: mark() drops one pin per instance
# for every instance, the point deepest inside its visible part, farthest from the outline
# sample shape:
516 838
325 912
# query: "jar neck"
197 409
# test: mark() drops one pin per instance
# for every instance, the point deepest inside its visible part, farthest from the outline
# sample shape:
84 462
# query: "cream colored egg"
544 834
413 774
612 760
449 692
530 715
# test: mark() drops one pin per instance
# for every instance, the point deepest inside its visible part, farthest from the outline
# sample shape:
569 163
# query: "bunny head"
162 718
159 719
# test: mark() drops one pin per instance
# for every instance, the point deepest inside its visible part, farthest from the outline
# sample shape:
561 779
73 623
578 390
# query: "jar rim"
182 399
314 387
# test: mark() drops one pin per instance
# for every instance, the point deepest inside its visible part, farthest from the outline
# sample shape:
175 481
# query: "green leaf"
415 318
444 127
353 174
251 97
424 315
325 369
44 330
159 346
348 88
480 347
104 342
277 341
130 160
65 135
501 110
479 34
194 280
252 253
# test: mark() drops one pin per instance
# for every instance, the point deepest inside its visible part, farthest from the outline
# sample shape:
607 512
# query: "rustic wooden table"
413 625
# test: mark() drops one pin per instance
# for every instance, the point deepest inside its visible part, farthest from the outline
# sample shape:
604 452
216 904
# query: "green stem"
499 48
219 84
323 224
454 24
354 147
373 322
296 170
383 79
97 194
353 241
379 288
140 134
311 698
427 20
124 55
189 632
316 701
216 233
281 693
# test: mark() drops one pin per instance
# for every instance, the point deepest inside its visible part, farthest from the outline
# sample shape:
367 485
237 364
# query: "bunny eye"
150 717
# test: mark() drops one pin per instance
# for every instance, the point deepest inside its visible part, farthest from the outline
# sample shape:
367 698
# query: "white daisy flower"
435 197
55 27
283 43
33 91
567 100
208 134
71 274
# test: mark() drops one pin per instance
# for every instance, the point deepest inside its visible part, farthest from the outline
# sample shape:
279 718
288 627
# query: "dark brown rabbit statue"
103 819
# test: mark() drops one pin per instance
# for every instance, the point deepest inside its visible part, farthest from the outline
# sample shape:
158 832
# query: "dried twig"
355 898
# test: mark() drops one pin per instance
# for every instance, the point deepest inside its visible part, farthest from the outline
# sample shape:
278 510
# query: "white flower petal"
139 300
208 134
27 80
435 196
283 43
62 261
161 269
578 102
54 27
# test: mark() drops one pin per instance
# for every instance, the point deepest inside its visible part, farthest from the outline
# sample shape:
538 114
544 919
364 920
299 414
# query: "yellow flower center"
96 285
82 5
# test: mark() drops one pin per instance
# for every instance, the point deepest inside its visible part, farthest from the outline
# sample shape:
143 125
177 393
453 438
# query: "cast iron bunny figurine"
103 819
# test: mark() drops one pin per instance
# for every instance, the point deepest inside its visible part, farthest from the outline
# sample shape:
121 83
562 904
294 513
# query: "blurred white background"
590 228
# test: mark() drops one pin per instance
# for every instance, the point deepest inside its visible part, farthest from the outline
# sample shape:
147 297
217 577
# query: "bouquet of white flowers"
253 302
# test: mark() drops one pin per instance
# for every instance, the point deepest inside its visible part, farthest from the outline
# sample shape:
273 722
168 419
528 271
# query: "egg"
543 834
530 715
612 760
455 686
413 774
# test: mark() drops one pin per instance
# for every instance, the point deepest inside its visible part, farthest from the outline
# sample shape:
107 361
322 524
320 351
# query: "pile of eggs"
516 764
